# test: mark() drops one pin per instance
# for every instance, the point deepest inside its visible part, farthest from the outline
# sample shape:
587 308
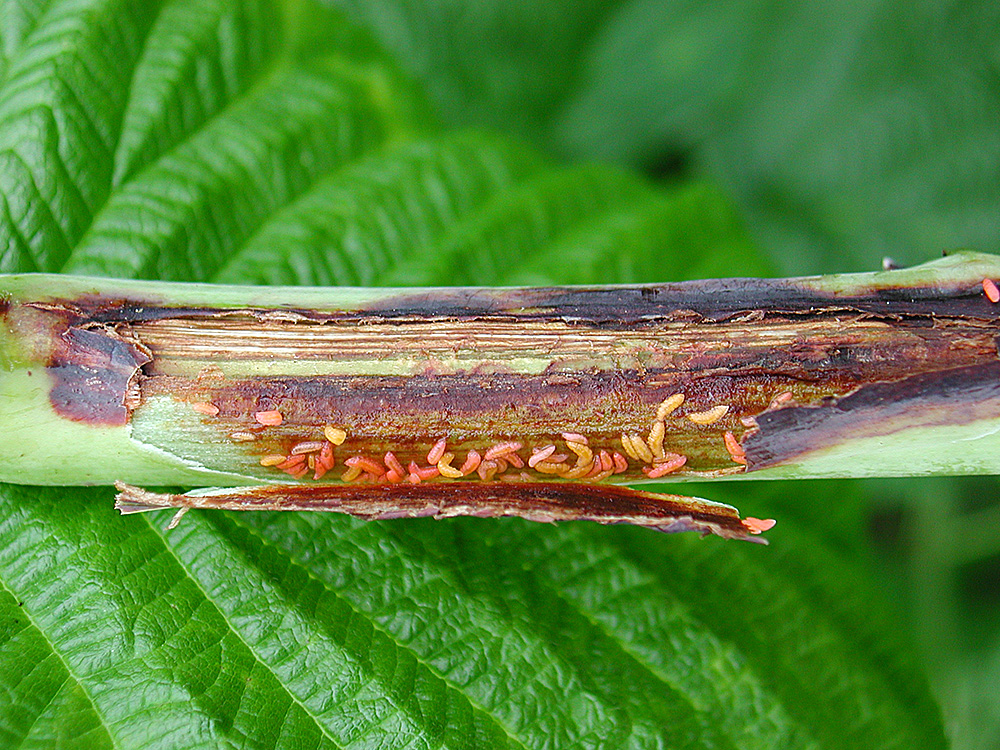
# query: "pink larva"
540 455
435 453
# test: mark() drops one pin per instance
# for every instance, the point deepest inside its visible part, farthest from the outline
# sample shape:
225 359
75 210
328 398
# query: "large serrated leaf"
222 151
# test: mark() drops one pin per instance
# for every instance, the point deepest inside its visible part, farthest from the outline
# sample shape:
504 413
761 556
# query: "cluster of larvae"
502 461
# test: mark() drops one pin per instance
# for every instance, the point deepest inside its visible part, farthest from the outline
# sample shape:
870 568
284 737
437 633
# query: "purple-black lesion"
92 370
954 396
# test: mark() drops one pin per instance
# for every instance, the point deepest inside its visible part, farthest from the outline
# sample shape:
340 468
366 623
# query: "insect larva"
445 467
335 435
242 437
299 472
584 454
472 461
352 473
540 454
629 448
308 446
325 462
736 451
709 416
550 467
203 407
424 472
501 449
271 418
394 464
780 399
574 437
272 459
758 525
642 450
579 471
486 470
669 405
667 467
393 476
292 461
992 293
366 464
514 460
607 464
435 453
655 439
621 463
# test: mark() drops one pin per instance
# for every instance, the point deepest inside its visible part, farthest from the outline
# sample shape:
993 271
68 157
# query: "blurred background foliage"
842 132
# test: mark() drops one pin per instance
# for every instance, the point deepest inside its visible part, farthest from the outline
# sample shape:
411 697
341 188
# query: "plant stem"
854 375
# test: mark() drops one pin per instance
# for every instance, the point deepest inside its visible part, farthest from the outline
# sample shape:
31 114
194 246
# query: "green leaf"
273 143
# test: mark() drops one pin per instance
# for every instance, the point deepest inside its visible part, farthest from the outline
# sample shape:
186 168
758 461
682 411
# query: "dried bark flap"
541 501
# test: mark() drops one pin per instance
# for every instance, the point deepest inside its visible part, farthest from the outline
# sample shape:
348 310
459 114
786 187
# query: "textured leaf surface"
212 148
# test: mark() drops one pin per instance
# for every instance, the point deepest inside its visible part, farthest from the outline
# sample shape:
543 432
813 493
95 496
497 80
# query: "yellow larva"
272 459
447 470
629 448
710 416
335 435
639 445
655 439
668 406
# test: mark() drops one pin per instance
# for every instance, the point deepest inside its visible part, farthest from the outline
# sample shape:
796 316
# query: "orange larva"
992 293
667 467
271 418
758 525
292 462
514 460
501 449
435 453
394 464
709 416
736 451
424 472
621 463
472 461
540 454
366 464
203 407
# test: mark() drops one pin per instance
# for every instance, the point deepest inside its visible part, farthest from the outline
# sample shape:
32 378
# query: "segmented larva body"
991 290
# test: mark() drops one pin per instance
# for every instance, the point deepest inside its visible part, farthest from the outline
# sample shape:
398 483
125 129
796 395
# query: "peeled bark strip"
351 389
546 502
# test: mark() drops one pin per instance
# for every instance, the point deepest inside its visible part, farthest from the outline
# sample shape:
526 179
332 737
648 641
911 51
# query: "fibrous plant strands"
858 375
536 501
